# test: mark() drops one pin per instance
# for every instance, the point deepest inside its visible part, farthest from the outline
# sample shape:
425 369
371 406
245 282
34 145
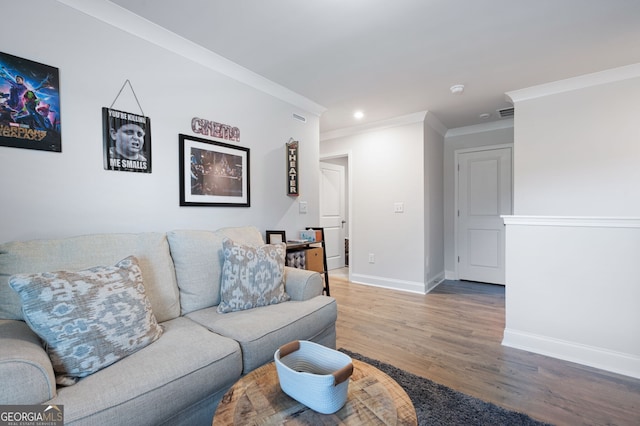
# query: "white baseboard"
450 275
435 282
410 286
617 362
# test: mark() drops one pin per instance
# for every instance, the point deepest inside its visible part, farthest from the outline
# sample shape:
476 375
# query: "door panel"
332 212
483 250
484 194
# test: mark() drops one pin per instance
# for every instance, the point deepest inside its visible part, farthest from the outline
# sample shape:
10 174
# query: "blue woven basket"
314 375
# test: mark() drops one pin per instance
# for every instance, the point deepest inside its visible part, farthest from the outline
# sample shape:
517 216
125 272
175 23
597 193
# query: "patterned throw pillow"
252 276
88 319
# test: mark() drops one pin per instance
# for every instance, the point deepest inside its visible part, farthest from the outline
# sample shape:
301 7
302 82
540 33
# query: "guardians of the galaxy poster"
29 104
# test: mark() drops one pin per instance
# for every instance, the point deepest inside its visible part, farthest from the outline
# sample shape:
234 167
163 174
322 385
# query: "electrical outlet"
372 258
398 207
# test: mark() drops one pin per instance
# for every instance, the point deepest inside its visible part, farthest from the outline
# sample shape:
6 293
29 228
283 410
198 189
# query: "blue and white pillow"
88 319
251 276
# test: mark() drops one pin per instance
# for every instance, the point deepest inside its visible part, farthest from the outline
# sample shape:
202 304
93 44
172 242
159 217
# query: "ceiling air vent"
299 117
505 112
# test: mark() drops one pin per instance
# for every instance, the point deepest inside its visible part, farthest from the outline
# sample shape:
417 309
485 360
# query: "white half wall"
48 195
573 290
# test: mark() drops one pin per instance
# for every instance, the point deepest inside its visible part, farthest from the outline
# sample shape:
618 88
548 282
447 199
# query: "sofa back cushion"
198 259
87 251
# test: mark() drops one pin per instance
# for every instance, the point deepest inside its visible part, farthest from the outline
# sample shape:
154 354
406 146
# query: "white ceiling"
395 57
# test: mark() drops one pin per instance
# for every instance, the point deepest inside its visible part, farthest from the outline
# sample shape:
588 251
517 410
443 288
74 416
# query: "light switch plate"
398 207
302 207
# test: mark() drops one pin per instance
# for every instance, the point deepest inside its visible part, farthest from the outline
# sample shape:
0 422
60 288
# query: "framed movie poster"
29 104
127 141
213 173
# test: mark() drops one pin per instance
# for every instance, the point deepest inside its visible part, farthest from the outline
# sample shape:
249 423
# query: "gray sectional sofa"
180 377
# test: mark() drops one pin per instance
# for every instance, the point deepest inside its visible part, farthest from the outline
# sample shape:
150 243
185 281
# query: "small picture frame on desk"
276 237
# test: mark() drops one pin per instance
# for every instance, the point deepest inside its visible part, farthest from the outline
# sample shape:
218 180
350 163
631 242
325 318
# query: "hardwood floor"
453 336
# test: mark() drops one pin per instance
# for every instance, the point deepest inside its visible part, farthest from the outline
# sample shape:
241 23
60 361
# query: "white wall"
577 152
573 286
496 133
386 167
434 204
60 194
398 161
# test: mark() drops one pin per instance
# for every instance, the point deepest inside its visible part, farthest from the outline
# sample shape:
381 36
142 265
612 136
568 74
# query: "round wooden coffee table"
374 398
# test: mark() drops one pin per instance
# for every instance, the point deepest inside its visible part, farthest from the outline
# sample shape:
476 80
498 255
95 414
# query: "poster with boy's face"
29 104
127 141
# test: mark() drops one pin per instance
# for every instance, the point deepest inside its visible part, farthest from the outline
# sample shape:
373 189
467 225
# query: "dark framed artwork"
126 141
29 104
276 237
213 173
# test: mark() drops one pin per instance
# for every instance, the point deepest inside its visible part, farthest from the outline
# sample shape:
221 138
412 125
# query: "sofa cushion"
187 364
261 331
88 319
76 253
197 256
252 276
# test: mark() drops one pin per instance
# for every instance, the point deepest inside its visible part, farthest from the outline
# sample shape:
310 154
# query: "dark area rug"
437 404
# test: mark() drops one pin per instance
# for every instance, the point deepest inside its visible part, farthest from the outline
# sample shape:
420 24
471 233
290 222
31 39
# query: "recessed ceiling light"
484 115
358 115
457 89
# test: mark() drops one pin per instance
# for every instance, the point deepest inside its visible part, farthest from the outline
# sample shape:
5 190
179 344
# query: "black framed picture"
276 237
29 104
213 173
126 141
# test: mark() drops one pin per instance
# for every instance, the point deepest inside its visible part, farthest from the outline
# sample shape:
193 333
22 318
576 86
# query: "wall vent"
299 117
506 112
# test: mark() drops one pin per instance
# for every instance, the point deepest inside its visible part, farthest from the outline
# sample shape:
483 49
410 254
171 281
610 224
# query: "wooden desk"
306 246
374 398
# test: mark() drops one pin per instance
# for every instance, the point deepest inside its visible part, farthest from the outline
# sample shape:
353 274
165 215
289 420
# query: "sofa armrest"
26 373
302 284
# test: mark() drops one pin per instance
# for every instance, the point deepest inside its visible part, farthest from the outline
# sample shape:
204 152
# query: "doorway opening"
335 207
484 192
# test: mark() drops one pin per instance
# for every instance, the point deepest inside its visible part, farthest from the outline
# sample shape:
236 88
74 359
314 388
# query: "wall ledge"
573 221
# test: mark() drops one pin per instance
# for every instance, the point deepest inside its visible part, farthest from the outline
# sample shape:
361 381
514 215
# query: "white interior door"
332 212
484 193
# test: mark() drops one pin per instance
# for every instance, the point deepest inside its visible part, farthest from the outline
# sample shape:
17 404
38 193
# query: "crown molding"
416 117
131 23
575 83
506 123
436 124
